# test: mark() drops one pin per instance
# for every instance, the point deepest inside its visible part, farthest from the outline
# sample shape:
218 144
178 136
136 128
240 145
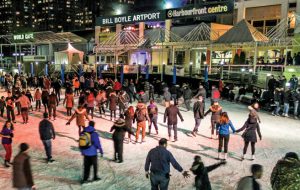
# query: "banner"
201 10
131 18
34 58
170 70
130 69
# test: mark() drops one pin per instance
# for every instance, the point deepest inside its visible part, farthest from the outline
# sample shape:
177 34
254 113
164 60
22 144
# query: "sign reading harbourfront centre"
184 12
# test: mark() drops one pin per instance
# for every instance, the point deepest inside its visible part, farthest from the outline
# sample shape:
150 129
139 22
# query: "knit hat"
119 123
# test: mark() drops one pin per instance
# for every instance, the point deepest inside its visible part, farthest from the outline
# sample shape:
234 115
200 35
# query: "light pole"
19 67
191 69
36 68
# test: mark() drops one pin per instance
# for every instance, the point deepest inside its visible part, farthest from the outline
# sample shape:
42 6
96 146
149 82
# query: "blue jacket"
223 129
96 145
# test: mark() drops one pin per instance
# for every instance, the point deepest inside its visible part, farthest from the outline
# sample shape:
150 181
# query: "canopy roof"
242 32
46 37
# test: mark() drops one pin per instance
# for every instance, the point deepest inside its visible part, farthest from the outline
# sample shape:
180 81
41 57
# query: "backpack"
140 116
85 140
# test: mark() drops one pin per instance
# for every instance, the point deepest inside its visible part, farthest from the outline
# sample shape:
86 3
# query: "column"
168 24
141 30
284 9
97 34
241 11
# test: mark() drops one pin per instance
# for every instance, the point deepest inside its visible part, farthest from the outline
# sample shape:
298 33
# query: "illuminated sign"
202 10
33 58
27 36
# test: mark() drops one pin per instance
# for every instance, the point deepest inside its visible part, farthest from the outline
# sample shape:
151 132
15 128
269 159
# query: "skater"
47 132
2 105
249 135
253 115
167 96
37 97
101 99
129 116
198 110
285 174
29 96
158 162
153 114
10 107
249 182
202 180
24 104
123 102
22 174
7 135
69 101
140 116
171 113
187 96
80 114
216 111
113 100
90 102
89 151
57 88
52 103
45 99
119 129
223 131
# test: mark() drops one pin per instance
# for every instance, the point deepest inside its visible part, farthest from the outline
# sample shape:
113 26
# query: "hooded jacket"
96 144
22 175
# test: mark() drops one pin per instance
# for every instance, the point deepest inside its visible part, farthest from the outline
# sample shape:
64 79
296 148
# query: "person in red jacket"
117 86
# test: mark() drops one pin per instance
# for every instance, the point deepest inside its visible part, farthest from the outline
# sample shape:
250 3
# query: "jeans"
224 138
187 104
175 131
10 114
48 148
197 124
88 162
277 108
140 125
90 110
153 120
159 181
296 105
174 98
286 108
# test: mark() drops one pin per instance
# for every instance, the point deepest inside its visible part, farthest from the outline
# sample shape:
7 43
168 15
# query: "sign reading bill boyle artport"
184 12
201 10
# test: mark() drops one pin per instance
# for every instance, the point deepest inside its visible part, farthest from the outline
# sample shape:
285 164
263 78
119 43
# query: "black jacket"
119 132
46 130
250 129
198 110
187 94
171 113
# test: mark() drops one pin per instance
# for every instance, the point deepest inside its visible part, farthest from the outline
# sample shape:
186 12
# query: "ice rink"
280 135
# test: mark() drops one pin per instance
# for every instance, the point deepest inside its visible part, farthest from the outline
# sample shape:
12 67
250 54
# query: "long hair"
11 125
131 111
224 118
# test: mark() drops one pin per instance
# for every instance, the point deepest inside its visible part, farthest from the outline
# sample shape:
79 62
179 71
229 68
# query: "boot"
6 164
243 157
219 155
193 133
252 157
225 156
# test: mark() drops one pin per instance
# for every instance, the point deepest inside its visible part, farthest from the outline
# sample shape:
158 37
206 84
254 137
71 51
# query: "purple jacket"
7 132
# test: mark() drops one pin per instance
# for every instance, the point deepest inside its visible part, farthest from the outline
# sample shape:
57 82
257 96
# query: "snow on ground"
280 135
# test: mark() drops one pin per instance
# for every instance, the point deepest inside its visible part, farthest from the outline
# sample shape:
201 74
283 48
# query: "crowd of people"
114 97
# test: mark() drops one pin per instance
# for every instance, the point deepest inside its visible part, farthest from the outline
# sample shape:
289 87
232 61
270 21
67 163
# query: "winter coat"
53 99
132 88
69 100
7 132
250 129
123 100
215 114
171 113
117 86
215 95
22 175
278 96
248 183
128 119
202 180
295 96
2 104
201 92
294 83
113 99
90 100
96 144
198 110
119 132
187 94
80 117
152 110
46 130
37 95
45 96
286 175
223 129
24 101
141 109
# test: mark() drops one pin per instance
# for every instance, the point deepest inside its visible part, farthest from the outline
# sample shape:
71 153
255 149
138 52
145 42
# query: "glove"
147 175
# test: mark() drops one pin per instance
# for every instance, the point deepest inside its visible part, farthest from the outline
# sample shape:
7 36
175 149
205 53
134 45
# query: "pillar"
141 30
284 9
241 14
168 24
97 34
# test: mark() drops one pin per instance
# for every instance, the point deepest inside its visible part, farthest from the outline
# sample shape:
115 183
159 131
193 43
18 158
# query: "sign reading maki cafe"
178 13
